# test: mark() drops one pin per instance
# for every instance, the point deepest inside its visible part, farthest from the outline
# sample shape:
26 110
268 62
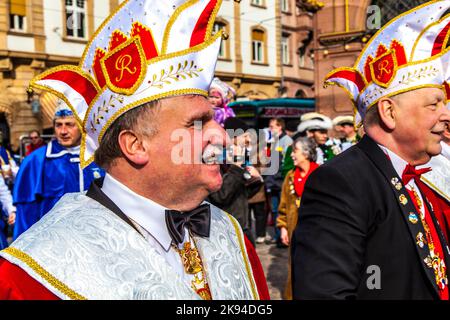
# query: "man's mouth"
439 133
212 155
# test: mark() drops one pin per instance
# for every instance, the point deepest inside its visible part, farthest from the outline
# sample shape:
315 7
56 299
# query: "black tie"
197 221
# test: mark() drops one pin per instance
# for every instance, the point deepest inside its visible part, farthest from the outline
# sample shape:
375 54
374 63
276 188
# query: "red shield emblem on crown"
125 67
383 69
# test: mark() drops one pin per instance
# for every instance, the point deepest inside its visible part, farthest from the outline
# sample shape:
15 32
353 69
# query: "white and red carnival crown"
408 53
144 51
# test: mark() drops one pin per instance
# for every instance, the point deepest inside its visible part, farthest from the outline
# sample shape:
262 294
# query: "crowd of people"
103 211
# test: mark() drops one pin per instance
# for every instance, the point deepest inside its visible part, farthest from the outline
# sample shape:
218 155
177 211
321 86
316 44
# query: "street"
275 264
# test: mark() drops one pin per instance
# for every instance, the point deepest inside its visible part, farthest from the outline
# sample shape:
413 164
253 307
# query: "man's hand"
253 172
284 236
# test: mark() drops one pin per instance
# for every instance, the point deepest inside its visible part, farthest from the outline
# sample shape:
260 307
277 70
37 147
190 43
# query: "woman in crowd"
304 156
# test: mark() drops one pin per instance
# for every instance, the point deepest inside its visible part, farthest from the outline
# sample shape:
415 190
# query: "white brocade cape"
82 250
439 178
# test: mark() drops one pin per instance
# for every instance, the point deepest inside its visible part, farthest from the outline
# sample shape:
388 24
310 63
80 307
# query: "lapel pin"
413 218
420 240
403 199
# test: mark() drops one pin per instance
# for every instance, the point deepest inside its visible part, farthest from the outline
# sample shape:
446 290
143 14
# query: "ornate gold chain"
432 261
193 264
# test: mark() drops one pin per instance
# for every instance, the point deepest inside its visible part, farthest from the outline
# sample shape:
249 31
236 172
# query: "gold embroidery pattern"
238 231
104 109
187 69
55 283
433 261
382 68
418 74
142 71
432 186
377 91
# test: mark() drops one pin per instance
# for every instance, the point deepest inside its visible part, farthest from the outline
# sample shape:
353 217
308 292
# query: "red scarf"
299 181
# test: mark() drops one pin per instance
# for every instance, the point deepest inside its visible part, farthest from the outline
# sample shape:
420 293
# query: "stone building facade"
265 56
342 27
36 35
296 42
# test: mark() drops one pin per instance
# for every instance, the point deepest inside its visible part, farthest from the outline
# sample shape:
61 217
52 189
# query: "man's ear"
386 111
133 148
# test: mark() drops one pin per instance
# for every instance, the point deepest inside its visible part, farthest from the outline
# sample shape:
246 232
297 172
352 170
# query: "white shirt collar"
445 150
146 213
73 151
398 163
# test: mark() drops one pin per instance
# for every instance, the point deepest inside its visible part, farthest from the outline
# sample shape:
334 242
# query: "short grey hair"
142 119
308 147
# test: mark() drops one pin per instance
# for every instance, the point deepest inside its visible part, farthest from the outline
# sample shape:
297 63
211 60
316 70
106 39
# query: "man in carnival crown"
369 228
144 231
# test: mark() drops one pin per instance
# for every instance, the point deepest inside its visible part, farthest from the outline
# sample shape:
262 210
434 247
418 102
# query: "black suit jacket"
353 227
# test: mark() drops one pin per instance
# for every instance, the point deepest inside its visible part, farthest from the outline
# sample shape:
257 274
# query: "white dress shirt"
399 166
149 218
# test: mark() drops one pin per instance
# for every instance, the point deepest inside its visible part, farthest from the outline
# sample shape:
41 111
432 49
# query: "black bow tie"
197 221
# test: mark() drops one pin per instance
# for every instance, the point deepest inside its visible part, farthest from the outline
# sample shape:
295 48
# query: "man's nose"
445 116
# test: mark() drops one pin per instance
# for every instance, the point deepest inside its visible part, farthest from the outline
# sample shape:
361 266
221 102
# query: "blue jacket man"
50 172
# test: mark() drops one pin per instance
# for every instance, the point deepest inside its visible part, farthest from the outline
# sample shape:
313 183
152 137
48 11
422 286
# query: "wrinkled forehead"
421 95
65 120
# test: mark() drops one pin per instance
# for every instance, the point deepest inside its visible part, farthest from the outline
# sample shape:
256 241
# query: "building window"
76 26
17 15
258 46
301 55
259 3
219 25
285 5
285 49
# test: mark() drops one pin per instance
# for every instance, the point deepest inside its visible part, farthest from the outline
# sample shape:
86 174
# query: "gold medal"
403 199
192 264
190 258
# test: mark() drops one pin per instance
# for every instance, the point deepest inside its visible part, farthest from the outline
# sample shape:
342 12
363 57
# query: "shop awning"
18 7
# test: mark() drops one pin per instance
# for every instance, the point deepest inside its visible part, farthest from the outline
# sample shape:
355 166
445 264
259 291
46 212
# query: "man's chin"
67 143
435 150
213 178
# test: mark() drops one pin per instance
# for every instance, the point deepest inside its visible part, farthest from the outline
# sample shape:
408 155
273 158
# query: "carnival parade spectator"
316 126
345 127
278 146
240 180
304 155
7 214
220 94
36 142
